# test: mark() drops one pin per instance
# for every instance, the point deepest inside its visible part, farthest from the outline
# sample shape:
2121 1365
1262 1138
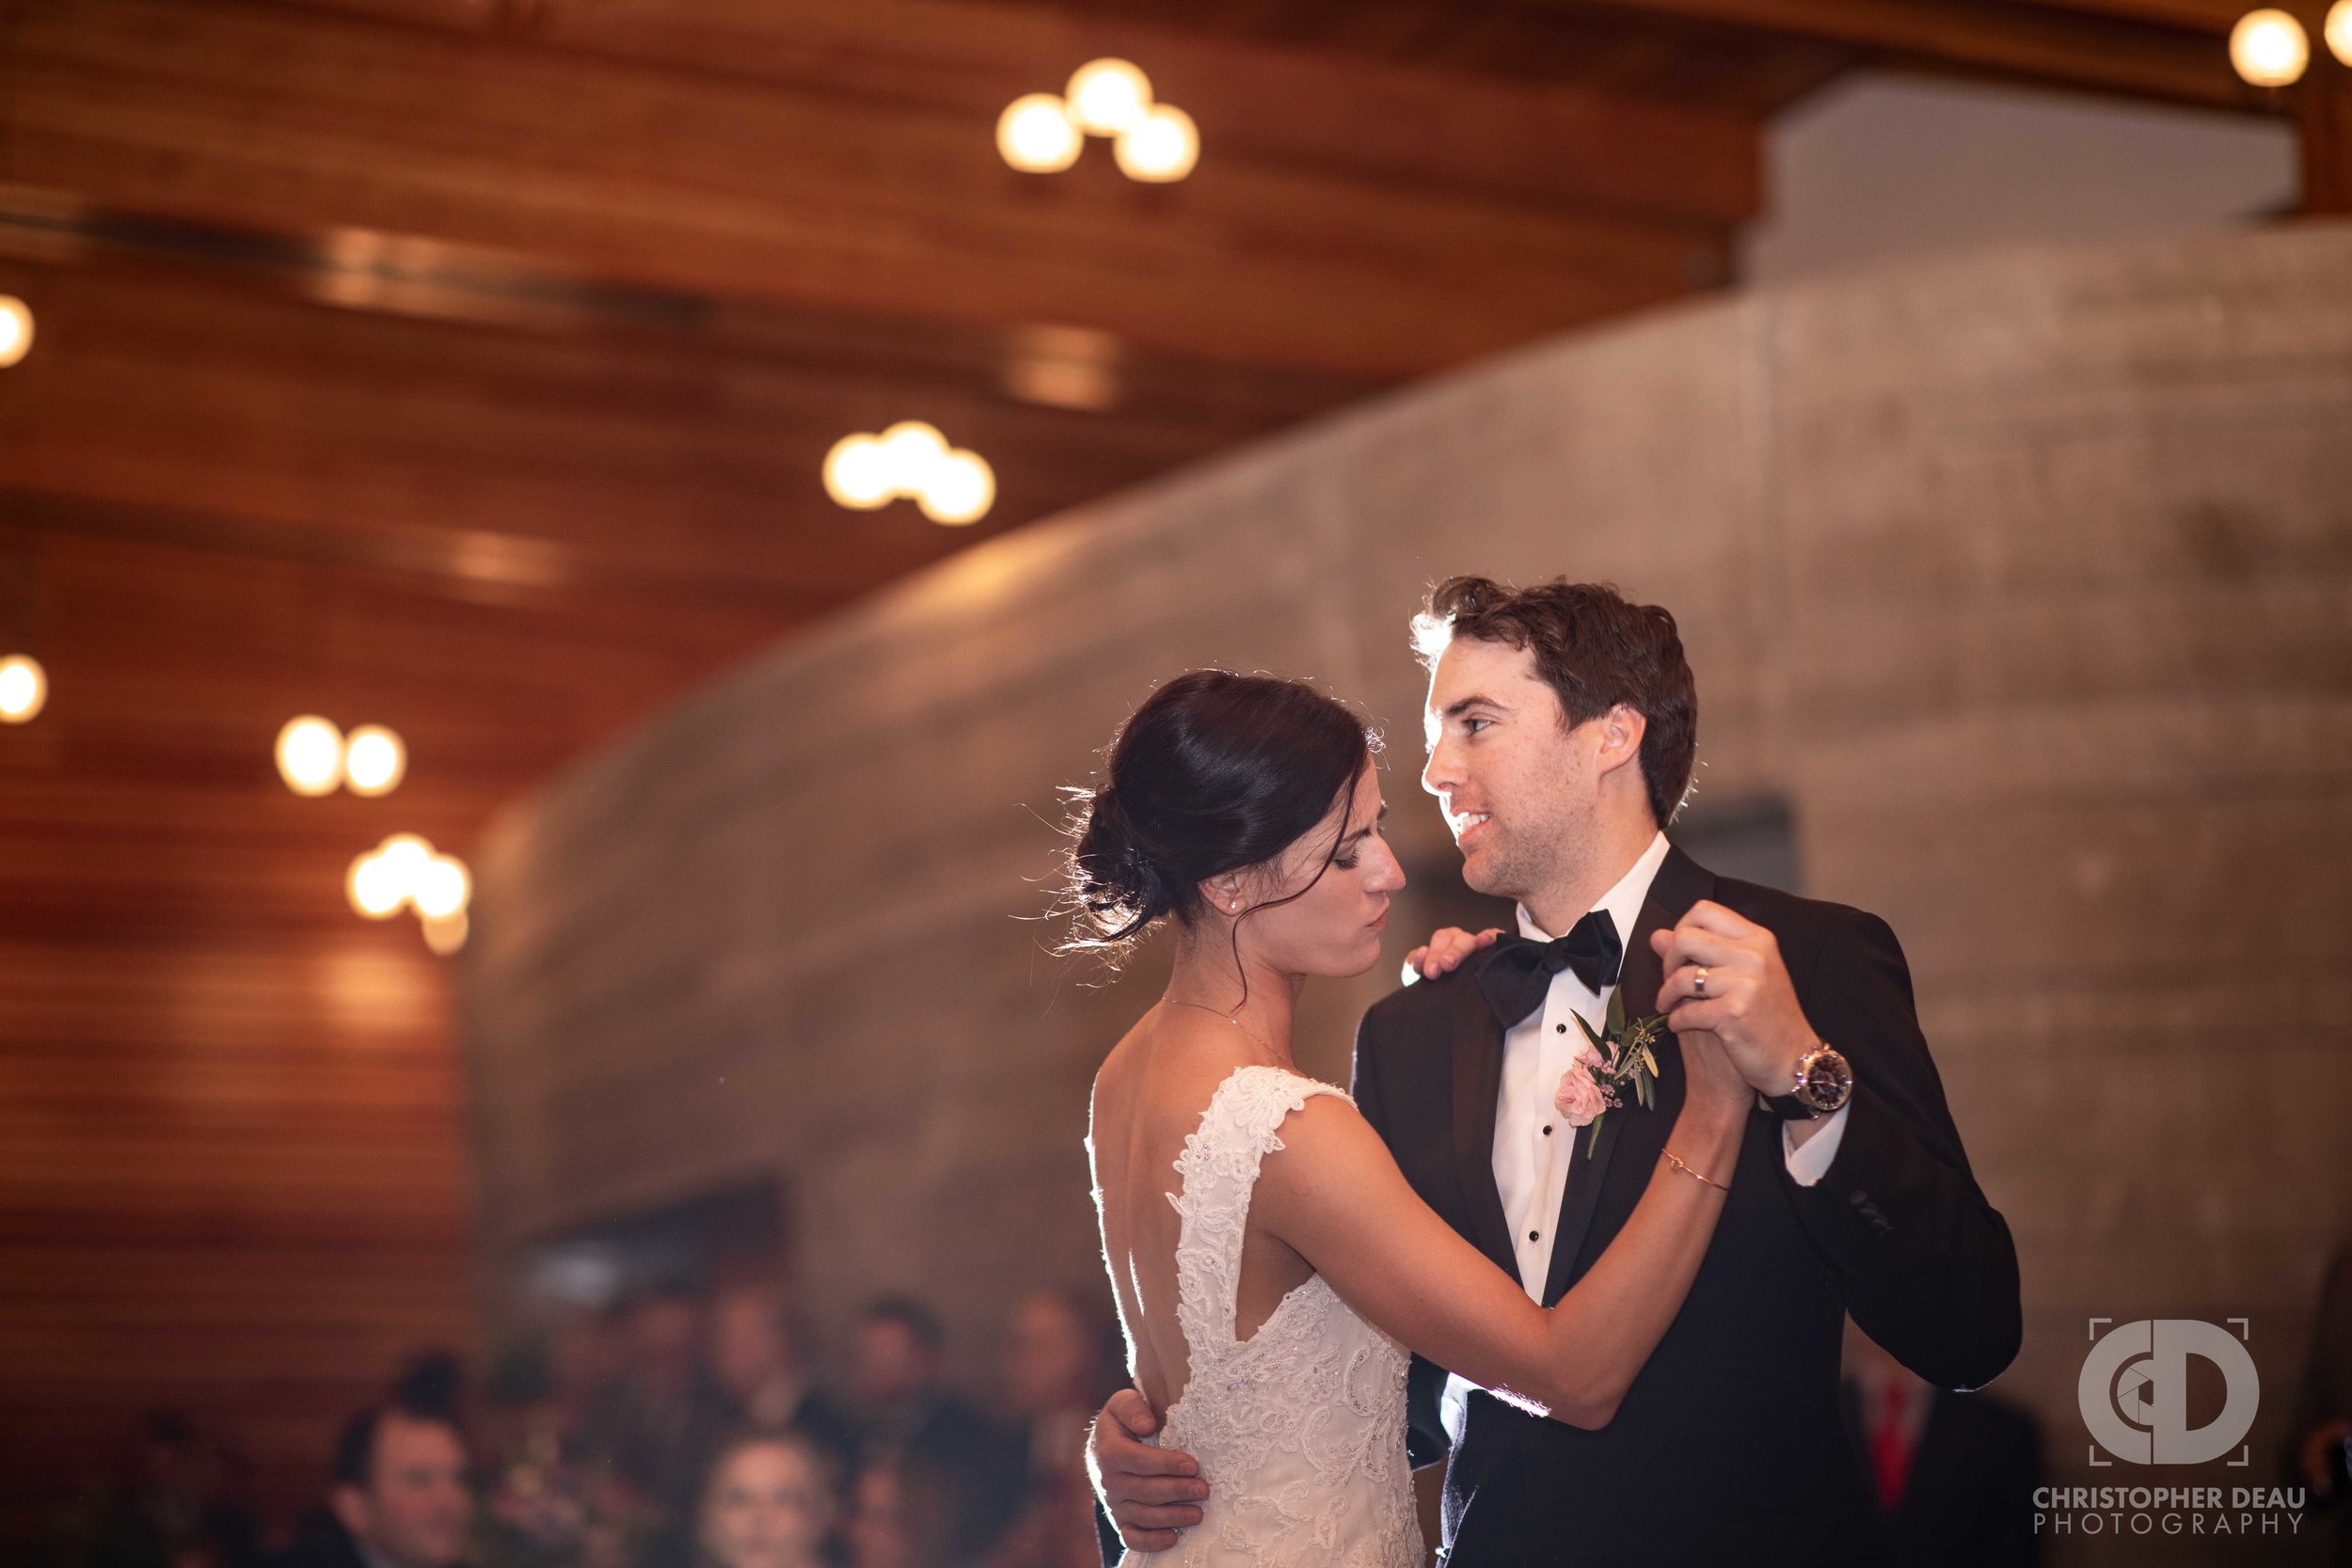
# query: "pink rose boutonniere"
1614 1060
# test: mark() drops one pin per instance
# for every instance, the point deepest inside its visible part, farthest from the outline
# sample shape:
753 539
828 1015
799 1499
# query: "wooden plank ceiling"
466 366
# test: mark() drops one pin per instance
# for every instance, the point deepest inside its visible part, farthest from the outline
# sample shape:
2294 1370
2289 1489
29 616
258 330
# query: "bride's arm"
1333 1194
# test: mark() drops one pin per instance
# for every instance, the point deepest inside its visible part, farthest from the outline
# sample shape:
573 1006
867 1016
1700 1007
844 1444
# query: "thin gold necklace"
1238 1024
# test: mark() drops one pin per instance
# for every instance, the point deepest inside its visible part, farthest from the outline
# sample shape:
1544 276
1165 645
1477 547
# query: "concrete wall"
1885 166
2026 581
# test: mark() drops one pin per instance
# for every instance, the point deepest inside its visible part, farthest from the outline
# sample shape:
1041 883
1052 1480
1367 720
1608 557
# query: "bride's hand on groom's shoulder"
1151 1493
1447 948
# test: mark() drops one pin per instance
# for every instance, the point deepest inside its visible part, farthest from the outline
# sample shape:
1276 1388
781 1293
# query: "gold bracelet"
1694 1175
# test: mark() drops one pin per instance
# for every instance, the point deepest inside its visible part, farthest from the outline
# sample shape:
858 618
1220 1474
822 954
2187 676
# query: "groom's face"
1516 784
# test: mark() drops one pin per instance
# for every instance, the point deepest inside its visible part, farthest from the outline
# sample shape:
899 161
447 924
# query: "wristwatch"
1824 1084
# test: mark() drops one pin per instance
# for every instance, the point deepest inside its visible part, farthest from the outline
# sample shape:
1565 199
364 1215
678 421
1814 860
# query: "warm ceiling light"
442 887
23 687
910 460
375 885
1108 96
446 935
1162 146
408 854
16 329
910 451
856 474
2338 30
310 755
374 760
2269 48
1035 135
960 490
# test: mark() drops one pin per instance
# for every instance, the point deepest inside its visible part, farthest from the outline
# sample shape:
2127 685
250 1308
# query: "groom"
1562 724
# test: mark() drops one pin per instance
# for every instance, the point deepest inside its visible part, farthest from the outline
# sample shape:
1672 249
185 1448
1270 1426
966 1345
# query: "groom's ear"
1621 730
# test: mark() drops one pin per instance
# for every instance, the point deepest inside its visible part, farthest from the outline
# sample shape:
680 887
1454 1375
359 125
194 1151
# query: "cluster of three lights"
1043 133
911 461
405 871
2270 49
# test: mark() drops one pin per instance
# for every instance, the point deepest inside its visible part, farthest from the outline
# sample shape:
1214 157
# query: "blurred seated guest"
433 1383
2322 1436
549 1502
944 1450
769 1503
1061 1360
658 1423
176 1504
399 1499
906 1517
896 1359
1954 1474
757 1368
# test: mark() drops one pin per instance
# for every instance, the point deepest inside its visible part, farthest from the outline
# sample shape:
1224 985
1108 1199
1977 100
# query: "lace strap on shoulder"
1218 1170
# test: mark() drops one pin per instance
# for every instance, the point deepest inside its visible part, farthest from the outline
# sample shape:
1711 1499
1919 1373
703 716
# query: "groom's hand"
1746 1002
1150 1493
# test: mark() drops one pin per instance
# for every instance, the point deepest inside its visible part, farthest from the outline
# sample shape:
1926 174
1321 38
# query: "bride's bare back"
1149 1097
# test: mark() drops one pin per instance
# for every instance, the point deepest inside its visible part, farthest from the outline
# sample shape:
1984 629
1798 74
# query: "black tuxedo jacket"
1729 1448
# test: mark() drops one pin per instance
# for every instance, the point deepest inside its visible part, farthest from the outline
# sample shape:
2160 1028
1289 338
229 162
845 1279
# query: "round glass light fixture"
441 888
2269 48
1108 96
310 755
374 886
962 487
1160 147
1035 135
24 688
856 473
16 329
2337 30
374 760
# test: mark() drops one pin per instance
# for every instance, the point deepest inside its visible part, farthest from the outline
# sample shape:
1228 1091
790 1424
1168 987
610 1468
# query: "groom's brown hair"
1596 649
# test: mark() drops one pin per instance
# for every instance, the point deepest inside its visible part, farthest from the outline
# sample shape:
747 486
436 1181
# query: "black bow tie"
1519 970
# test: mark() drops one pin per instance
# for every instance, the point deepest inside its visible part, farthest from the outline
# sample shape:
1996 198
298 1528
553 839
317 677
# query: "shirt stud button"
1547 1131
1560 1028
1534 1235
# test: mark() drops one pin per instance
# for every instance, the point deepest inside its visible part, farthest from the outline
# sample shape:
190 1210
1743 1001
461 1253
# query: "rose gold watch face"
1827 1081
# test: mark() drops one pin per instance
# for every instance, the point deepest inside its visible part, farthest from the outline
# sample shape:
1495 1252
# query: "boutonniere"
1616 1059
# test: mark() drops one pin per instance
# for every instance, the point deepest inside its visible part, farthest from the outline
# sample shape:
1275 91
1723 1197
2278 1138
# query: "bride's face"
1333 926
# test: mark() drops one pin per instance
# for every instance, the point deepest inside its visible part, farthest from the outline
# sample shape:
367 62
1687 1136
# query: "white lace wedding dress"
1300 1429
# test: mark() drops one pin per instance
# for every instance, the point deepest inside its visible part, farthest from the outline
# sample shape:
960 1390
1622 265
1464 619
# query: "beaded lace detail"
1300 1429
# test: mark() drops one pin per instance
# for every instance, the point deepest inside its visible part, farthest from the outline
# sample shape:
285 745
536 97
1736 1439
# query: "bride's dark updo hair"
1215 773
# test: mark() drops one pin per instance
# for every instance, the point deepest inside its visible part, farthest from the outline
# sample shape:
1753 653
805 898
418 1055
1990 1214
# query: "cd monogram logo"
2134 1391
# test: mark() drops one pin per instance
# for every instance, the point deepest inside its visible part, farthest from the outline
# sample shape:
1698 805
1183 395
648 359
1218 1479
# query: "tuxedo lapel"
1477 1081
1680 883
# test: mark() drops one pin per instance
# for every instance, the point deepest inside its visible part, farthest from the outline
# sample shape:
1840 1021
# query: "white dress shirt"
1532 1142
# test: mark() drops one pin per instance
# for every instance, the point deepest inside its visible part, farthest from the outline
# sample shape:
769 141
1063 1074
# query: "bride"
1273 1268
